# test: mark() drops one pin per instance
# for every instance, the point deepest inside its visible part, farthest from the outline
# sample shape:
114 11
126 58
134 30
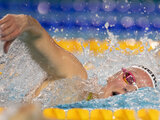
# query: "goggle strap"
135 85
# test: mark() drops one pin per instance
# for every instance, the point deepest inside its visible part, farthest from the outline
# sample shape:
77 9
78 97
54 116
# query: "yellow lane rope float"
97 114
102 114
55 113
97 46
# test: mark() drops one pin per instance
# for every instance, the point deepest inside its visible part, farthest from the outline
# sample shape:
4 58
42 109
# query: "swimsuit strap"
150 74
90 96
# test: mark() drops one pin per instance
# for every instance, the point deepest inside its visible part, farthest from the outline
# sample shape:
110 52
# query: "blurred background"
86 18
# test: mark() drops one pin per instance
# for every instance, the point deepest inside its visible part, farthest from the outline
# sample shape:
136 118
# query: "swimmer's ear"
7 45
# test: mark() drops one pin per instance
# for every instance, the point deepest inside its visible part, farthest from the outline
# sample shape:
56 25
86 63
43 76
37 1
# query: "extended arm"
56 61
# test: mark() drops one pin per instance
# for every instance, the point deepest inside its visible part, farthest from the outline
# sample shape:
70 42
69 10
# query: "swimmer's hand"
11 26
53 59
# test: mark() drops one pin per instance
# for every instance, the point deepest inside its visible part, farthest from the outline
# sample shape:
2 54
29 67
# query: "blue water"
89 22
142 98
14 88
21 74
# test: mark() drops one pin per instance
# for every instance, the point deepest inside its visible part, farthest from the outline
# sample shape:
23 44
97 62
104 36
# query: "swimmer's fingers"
11 26
9 30
6 25
5 19
9 33
11 23
7 45
11 36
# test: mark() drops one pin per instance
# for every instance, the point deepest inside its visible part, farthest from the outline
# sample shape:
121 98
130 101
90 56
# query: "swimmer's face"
116 85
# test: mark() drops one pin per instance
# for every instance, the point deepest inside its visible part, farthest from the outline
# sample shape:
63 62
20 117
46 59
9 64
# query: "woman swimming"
59 63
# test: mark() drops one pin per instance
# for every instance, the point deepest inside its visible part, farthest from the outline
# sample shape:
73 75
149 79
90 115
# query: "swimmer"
59 63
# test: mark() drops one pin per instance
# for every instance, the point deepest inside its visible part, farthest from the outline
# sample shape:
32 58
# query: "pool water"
141 99
20 75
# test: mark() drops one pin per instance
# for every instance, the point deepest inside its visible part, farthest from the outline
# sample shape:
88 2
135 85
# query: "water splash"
20 74
18 78
112 38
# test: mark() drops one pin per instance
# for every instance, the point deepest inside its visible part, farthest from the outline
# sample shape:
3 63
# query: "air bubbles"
123 6
79 5
106 25
143 22
127 21
147 28
43 7
148 6
111 20
108 5
96 21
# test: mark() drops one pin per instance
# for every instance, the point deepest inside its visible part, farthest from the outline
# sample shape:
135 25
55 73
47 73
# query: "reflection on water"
20 74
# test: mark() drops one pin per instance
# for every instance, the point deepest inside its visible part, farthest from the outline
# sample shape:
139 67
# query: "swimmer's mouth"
114 93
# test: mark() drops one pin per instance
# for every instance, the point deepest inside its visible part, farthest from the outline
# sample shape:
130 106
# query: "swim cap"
150 74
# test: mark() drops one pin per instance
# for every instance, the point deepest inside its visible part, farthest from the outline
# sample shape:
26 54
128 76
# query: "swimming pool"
18 65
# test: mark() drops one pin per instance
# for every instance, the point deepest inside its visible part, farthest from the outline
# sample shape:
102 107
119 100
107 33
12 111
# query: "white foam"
19 75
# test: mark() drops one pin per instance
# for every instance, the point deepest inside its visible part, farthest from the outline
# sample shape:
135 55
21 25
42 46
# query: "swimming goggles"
129 78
